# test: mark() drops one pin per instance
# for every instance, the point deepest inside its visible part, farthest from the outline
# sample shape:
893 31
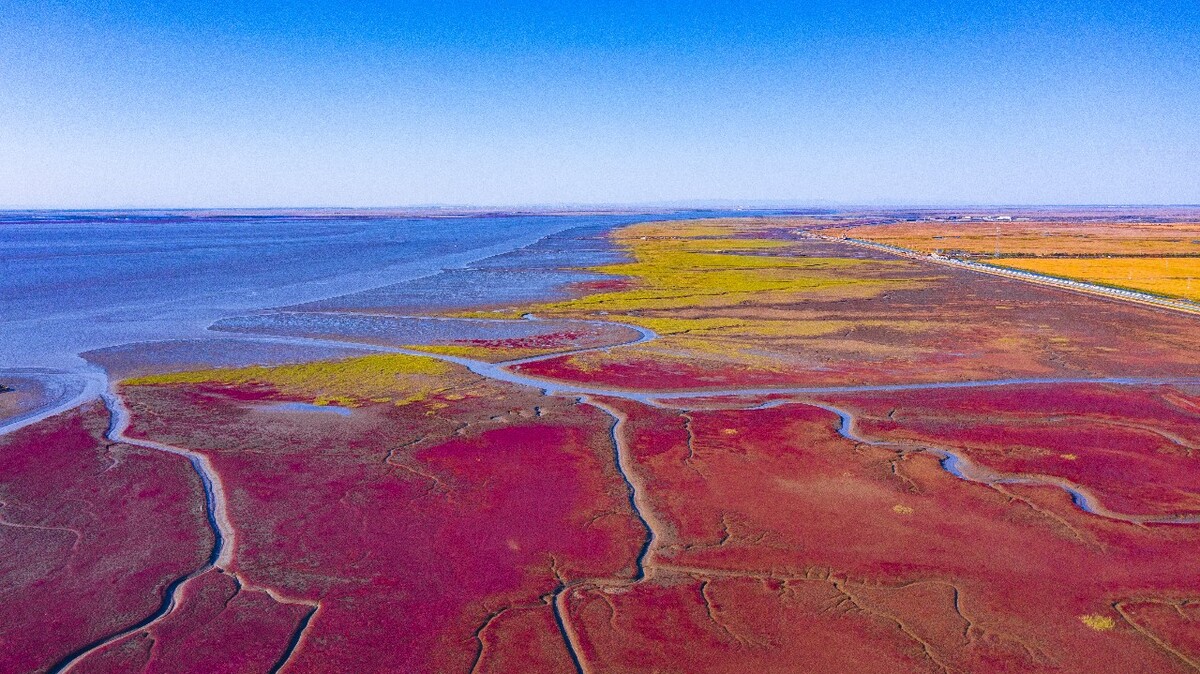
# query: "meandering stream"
74 390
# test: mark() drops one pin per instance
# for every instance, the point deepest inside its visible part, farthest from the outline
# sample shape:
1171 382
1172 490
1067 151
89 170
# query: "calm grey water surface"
75 281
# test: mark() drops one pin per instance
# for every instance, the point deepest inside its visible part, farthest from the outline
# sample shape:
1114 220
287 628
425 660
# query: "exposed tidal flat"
141 290
76 281
714 445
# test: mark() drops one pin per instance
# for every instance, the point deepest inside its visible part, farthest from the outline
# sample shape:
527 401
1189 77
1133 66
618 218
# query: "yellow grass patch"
902 510
672 326
395 378
760 343
581 364
725 289
1100 623
672 272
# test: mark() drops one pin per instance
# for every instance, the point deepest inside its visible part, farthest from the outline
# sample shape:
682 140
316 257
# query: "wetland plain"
636 444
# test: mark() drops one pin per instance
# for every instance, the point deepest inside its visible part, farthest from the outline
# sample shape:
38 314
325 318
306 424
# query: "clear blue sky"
254 103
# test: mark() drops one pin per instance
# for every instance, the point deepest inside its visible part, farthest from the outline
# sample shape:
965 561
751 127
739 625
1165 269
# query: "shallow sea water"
77 281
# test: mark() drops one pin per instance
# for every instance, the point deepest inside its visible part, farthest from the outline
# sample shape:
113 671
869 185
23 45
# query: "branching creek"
222 557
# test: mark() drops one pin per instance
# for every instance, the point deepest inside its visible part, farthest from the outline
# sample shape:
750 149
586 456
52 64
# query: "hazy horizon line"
714 204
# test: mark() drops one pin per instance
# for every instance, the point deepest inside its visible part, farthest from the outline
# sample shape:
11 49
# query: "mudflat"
732 444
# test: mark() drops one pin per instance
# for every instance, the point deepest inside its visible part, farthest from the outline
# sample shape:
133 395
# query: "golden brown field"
1173 276
1035 239
1156 257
